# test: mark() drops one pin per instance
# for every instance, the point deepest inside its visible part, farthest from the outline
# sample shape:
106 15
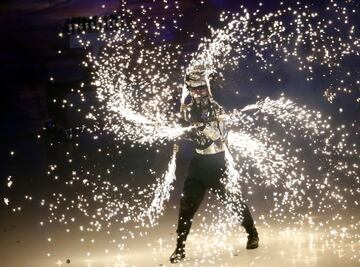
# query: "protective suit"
208 164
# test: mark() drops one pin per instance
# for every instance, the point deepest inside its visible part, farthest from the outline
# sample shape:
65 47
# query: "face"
199 92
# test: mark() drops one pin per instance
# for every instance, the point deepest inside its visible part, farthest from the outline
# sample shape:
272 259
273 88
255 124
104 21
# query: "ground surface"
25 243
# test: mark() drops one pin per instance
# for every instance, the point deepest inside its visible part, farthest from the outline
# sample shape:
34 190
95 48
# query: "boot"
253 239
178 255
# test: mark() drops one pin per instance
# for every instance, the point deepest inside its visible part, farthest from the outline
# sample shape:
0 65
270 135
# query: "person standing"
208 166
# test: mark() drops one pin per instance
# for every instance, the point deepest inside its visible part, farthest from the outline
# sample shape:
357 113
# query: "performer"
208 165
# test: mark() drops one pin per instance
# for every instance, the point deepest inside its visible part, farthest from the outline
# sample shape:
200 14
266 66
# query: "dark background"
29 56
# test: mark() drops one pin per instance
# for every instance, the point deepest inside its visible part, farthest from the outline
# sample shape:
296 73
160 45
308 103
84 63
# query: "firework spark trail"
280 165
162 193
136 85
273 160
136 91
293 119
138 82
293 33
214 52
266 159
233 182
133 84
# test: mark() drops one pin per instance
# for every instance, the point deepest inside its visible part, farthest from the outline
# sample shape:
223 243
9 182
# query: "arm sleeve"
211 131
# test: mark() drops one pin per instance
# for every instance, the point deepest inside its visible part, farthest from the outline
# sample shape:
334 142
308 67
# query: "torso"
210 116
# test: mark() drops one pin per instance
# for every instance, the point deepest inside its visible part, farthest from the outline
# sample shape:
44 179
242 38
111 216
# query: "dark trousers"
205 172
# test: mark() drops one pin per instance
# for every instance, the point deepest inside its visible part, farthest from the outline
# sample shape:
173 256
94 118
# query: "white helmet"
196 78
